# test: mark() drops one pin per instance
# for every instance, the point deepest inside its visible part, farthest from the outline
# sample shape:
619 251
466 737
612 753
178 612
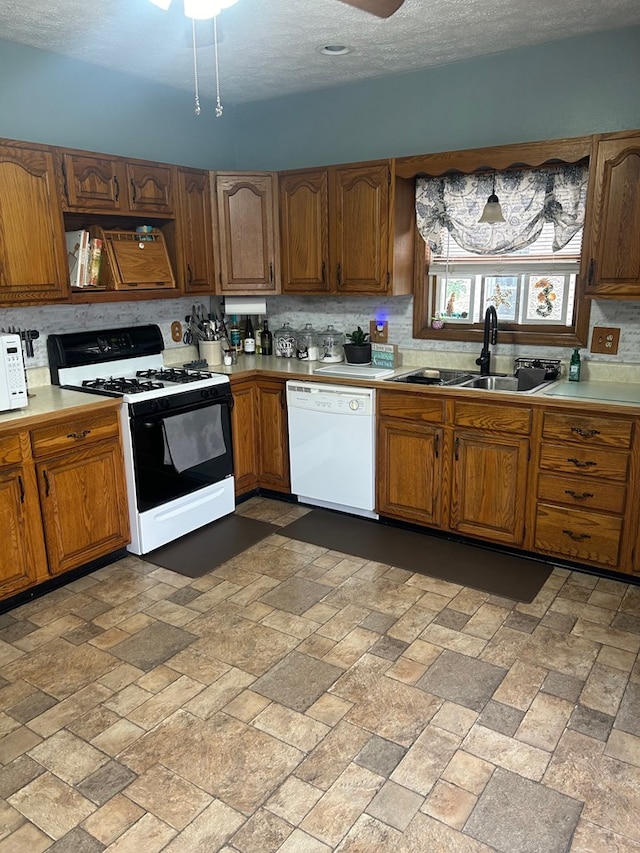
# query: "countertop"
46 400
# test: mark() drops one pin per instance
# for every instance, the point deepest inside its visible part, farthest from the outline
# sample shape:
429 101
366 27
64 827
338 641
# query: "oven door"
162 442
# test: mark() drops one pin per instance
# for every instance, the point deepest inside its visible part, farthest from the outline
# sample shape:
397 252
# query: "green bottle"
574 366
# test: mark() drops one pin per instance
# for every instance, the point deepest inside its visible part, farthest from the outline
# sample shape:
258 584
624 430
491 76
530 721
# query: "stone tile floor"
302 701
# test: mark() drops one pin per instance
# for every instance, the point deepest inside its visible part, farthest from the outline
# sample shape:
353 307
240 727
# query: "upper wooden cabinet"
347 229
248 257
612 260
33 260
102 184
195 265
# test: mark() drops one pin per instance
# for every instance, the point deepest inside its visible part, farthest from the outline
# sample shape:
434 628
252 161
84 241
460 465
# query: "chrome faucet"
490 337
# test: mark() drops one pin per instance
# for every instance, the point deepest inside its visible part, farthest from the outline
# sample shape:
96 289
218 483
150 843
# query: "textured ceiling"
270 47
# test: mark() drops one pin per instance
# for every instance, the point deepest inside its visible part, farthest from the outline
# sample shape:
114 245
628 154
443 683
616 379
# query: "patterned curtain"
529 198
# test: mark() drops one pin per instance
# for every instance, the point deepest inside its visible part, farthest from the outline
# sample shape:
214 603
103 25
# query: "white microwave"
13 385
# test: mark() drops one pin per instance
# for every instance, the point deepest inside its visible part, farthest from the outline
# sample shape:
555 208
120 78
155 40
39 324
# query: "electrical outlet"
176 331
378 331
605 340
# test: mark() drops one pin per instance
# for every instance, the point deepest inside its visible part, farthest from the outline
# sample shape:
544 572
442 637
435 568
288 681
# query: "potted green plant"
358 350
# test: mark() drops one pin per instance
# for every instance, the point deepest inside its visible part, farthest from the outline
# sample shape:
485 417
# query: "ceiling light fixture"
202 10
334 49
492 212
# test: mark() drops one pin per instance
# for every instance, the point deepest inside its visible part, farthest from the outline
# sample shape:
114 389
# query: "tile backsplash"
344 313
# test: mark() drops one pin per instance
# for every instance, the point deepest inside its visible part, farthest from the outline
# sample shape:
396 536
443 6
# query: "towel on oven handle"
193 437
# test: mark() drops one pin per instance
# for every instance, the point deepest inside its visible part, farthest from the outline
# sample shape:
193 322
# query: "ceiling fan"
381 8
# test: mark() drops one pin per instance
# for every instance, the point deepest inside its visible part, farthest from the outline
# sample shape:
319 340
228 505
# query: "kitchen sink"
526 383
435 376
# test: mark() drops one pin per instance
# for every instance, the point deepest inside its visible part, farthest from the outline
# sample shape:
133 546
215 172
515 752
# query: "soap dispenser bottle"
574 366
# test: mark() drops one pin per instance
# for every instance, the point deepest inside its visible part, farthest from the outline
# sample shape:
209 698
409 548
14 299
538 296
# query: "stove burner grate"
121 384
174 374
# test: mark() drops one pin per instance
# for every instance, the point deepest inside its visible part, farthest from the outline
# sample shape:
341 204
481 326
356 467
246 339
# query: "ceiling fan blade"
381 8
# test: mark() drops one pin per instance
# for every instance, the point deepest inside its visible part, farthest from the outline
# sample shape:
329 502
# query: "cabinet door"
22 557
150 188
304 229
489 485
84 505
360 228
614 261
33 260
245 446
247 229
273 435
92 183
196 231
409 477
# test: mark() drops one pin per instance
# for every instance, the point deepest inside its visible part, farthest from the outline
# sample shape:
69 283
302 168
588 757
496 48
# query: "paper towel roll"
244 305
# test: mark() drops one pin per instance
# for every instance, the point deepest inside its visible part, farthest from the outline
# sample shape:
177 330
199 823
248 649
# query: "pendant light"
492 212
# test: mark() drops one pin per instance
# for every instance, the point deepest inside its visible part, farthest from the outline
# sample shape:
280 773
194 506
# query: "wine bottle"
234 334
249 337
266 339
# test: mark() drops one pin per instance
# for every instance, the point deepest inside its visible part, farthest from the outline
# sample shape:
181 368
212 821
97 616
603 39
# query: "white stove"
176 428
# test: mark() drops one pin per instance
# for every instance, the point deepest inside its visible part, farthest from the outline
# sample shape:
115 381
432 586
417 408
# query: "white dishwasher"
332 446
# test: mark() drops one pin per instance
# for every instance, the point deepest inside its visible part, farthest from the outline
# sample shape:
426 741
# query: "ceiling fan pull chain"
195 67
219 106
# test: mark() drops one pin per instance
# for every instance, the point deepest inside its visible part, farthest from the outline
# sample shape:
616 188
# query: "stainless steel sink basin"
502 383
435 376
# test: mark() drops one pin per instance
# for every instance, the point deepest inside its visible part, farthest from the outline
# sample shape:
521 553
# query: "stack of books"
84 254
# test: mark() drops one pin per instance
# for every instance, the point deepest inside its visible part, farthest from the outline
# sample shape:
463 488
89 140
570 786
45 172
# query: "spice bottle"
574 366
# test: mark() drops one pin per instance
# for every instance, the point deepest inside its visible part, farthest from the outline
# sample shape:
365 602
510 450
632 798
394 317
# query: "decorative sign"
384 355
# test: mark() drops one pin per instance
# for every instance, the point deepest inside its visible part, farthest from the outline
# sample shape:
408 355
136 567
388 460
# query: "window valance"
529 198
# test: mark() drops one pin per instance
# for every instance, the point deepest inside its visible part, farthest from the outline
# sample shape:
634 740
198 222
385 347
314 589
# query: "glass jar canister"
307 344
285 341
331 343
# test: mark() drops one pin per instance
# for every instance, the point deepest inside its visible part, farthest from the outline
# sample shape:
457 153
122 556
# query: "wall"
567 88
59 101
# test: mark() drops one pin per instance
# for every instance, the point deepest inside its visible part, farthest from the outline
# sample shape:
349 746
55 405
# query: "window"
531 275
533 286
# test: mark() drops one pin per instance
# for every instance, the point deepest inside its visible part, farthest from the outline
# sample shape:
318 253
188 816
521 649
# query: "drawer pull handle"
577 537
79 435
585 433
576 496
579 464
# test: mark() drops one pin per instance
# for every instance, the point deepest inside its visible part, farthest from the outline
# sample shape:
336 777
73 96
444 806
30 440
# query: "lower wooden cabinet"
63 498
22 556
584 481
260 435
562 483
409 477
273 435
489 484
83 497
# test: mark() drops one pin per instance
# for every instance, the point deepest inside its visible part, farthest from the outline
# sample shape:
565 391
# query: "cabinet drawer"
587 430
582 536
10 450
75 433
414 407
574 491
584 461
515 419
